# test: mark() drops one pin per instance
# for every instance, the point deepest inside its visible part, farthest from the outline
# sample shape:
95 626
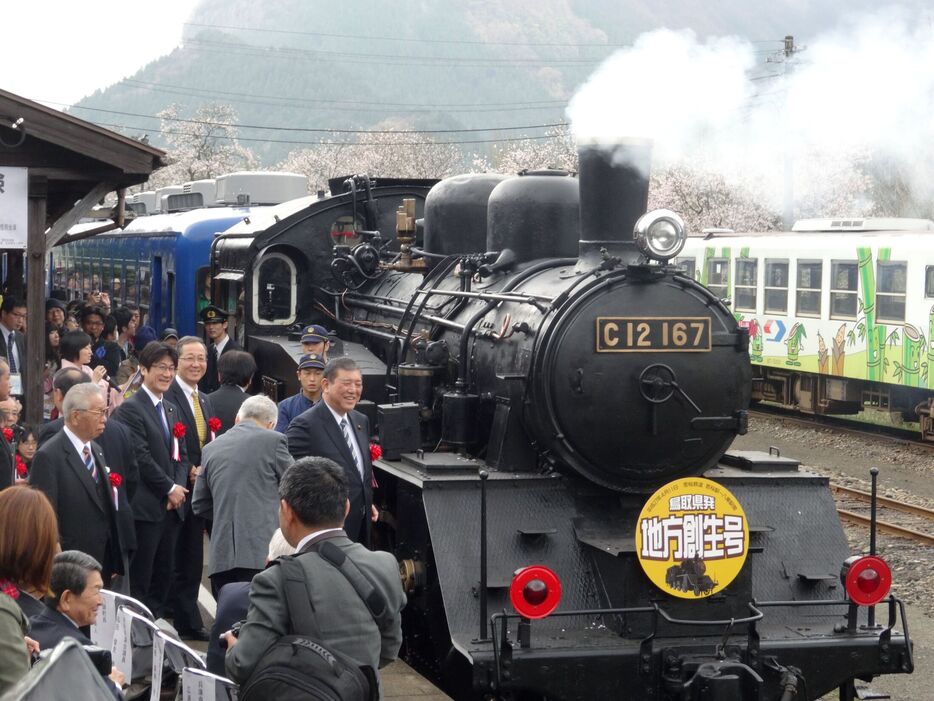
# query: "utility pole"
788 60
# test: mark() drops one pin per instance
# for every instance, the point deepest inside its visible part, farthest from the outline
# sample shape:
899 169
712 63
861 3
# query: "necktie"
89 463
165 424
199 419
9 352
350 444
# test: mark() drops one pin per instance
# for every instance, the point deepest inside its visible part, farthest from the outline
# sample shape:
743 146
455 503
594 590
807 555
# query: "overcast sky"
61 50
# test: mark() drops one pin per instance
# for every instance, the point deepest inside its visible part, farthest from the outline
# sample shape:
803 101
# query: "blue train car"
161 261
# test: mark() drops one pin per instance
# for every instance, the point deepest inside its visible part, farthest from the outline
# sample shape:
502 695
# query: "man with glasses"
194 412
12 341
71 470
162 458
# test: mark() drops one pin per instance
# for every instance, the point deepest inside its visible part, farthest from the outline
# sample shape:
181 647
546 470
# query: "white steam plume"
867 87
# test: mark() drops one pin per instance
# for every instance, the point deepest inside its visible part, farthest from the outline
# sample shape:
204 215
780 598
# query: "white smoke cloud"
866 87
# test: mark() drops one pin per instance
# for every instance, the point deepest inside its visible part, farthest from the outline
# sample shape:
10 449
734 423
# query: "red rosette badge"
178 431
115 482
214 425
8 434
375 451
21 470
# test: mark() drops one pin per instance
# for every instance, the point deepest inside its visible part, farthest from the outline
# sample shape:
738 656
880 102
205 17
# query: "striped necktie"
350 444
199 419
89 463
160 409
10 346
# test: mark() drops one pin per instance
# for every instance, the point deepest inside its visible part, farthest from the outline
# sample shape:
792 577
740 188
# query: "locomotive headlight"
660 234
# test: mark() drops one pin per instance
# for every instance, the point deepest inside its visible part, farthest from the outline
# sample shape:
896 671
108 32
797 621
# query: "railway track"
915 522
842 425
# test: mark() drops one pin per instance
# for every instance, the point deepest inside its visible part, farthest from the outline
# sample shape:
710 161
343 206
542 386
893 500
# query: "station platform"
402 682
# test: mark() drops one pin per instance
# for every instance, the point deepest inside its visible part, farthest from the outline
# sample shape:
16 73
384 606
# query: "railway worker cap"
168 333
316 334
212 314
311 360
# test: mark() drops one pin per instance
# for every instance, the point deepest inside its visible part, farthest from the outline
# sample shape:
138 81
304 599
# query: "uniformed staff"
310 371
215 326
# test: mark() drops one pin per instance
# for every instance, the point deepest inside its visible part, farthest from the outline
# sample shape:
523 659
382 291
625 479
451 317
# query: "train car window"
776 285
107 276
142 281
688 266
344 231
129 281
929 281
844 287
810 277
117 290
718 277
891 278
169 299
747 279
274 290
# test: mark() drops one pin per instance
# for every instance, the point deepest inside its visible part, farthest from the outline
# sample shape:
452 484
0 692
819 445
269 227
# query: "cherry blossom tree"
203 146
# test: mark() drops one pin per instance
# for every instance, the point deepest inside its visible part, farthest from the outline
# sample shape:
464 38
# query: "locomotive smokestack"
614 193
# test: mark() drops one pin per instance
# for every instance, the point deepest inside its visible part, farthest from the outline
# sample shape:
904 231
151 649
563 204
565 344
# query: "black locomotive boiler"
536 371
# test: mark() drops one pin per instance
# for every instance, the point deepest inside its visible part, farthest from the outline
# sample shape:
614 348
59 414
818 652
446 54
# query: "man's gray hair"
70 571
188 340
79 398
260 409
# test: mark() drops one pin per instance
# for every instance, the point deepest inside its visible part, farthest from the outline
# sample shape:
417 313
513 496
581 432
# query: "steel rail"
885 501
887 527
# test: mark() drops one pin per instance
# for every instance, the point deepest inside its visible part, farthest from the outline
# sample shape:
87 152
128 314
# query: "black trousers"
189 562
237 574
153 567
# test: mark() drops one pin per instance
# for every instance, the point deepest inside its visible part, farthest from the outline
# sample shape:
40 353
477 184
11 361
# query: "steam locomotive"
542 378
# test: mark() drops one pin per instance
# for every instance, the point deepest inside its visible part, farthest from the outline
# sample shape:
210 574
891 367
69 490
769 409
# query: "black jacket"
176 395
210 382
315 432
86 510
20 340
158 471
226 402
49 627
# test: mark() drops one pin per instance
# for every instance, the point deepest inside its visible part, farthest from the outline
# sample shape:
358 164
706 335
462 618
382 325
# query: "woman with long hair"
28 543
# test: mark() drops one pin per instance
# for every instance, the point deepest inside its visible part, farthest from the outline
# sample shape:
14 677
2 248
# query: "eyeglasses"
194 358
19 315
101 413
164 368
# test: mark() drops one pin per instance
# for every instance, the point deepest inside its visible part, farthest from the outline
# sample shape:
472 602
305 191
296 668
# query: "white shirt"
353 435
14 350
187 389
304 541
221 345
79 444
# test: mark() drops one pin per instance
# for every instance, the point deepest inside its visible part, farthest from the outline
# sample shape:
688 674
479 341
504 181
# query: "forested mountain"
415 64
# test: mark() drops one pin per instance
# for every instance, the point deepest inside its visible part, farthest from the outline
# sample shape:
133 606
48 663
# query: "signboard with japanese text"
692 538
14 200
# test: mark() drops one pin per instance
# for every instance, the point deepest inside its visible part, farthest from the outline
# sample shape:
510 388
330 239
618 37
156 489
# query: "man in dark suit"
333 429
12 341
163 469
7 466
75 600
215 327
236 372
119 455
194 412
72 472
313 504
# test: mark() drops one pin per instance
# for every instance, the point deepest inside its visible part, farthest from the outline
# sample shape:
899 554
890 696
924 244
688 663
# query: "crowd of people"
148 443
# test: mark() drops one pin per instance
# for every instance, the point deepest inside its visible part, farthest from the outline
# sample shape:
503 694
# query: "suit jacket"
315 432
117 445
233 602
7 465
343 619
49 627
176 395
158 471
210 381
87 514
226 402
30 605
20 341
238 489
14 660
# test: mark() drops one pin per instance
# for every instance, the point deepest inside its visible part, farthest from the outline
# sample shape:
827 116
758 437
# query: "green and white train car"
840 312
